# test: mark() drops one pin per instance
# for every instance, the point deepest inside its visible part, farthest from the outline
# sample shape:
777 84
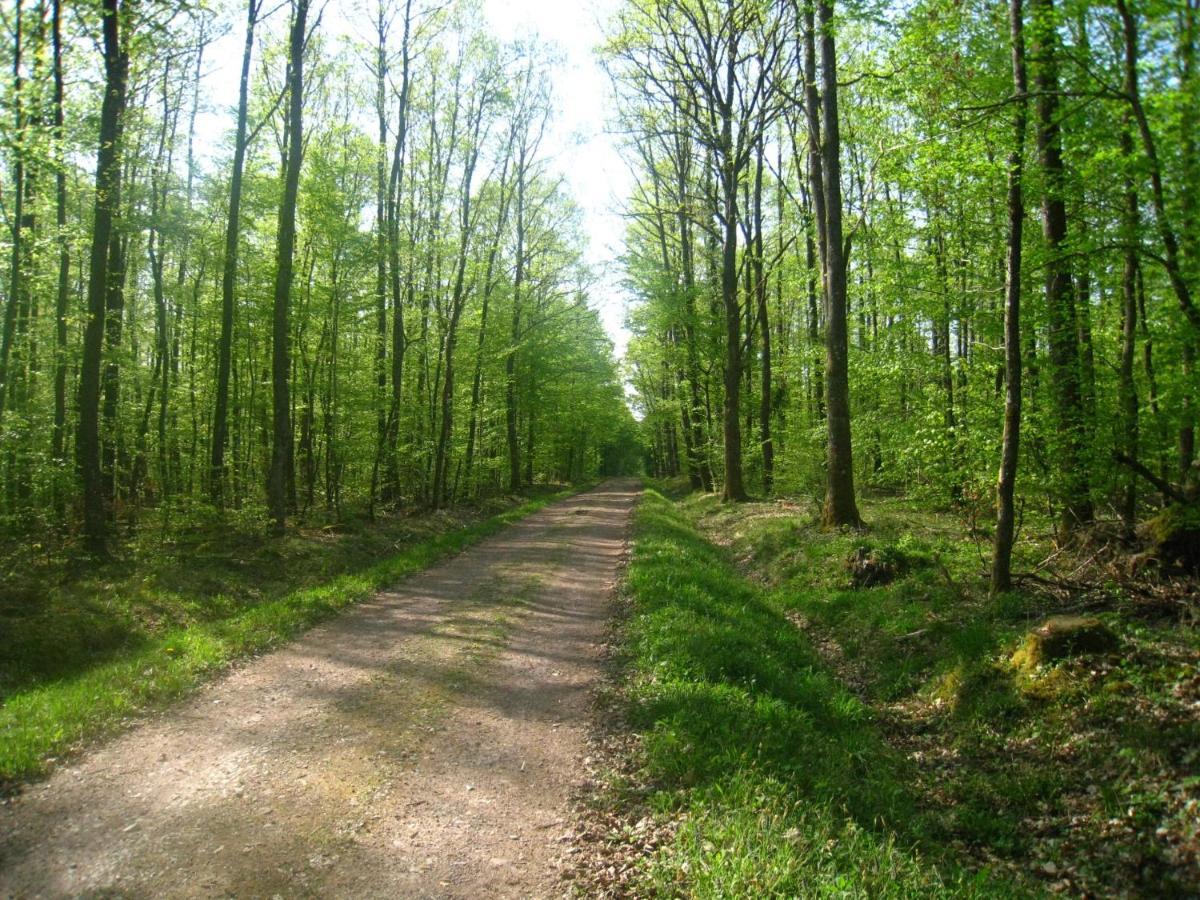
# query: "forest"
364 300
964 233
914 348
897 477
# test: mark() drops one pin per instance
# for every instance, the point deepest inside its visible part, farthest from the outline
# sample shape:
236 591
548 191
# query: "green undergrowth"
88 649
1077 776
775 774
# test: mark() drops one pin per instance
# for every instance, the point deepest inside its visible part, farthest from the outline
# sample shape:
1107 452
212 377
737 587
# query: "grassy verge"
1078 776
767 776
88 651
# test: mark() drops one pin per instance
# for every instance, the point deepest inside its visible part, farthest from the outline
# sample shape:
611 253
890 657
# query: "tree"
840 507
15 284
1011 438
1075 499
720 70
118 16
229 269
1166 230
280 474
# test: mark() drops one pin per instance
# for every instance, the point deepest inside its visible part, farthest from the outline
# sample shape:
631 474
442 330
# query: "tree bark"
1126 389
457 300
510 358
108 197
279 476
1010 442
220 429
59 437
734 488
15 287
399 336
840 507
382 233
1075 500
764 325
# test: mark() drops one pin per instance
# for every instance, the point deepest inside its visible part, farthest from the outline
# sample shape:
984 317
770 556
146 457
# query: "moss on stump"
1063 637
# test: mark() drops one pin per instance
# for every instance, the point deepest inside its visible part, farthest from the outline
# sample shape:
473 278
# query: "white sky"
582 149
577 143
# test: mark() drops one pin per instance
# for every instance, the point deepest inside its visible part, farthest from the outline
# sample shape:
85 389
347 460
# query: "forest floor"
423 743
774 729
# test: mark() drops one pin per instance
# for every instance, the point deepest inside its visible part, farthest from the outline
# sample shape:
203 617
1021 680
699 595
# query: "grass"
1077 776
777 778
87 650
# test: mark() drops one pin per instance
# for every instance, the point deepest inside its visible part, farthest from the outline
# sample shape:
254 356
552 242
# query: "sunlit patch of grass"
777 774
1075 774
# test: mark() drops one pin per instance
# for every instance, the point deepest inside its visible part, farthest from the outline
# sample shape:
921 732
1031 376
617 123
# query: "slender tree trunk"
1126 389
160 380
840 506
1148 367
1075 500
1010 443
457 300
382 233
220 429
112 446
764 325
59 438
399 337
699 440
529 446
734 488
1172 257
108 196
279 476
510 358
489 285
812 276
941 347
1087 352
15 287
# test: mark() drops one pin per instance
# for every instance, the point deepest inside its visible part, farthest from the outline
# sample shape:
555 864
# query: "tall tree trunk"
812 275
1126 389
59 438
457 300
280 475
15 287
489 286
156 252
734 487
1075 499
699 441
941 347
764 325
382 232
1148 367
510 358
220 429
399 337
108 197
1010 443
112 445
1172 257
840 507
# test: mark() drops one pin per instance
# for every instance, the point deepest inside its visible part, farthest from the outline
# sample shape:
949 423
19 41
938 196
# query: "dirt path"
423 744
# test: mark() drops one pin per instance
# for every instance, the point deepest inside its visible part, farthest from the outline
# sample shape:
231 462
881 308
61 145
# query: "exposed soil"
423 744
